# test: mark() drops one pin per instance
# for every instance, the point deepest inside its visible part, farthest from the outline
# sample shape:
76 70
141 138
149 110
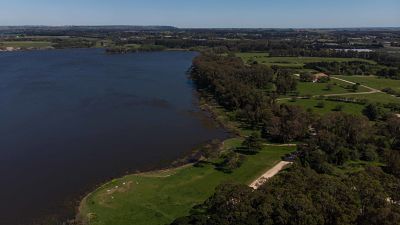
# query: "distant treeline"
354 68
73 43
390 60
293 48
345 68
141 48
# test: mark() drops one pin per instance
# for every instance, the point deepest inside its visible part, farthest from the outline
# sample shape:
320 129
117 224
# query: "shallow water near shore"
72 119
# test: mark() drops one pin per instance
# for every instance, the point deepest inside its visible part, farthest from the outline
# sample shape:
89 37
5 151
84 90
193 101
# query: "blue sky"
203 13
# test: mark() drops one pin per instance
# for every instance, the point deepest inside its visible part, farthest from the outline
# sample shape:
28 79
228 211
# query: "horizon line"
130 25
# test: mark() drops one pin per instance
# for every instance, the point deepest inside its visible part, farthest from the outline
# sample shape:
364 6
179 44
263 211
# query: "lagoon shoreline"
208 110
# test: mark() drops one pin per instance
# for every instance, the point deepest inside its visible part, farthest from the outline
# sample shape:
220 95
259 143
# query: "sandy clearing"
270 173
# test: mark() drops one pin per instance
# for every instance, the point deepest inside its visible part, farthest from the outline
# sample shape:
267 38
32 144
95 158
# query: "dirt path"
270 173
352 93
281 145
372 90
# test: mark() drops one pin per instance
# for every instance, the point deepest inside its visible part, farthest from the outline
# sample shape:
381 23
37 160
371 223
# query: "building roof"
319 75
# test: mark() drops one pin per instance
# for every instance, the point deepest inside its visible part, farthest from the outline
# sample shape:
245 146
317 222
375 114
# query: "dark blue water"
70 119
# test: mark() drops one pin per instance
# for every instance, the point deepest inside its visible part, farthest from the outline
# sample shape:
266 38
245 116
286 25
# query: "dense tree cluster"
288 123
73 43
345 68
318 52
380 57
229 162
306 77
302 196
226 45
252 143
141 48
285 82
250 89
316 189
338 138
389 73
310 192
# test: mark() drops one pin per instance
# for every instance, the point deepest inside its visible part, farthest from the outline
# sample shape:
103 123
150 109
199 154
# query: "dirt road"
372 90
270 173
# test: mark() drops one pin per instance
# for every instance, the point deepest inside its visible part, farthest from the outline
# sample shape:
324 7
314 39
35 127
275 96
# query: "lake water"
71 119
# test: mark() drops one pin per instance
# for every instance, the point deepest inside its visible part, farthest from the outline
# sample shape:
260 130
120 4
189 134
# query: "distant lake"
72 119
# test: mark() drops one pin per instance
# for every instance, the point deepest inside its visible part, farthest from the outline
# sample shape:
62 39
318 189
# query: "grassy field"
292 62
132 45
375 97
26 44
160 197
329 106
373 81
336 87
252 55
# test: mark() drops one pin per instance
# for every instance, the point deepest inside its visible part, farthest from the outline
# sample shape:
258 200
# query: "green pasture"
160 197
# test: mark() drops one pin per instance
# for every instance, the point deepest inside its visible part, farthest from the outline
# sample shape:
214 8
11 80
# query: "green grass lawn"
374 82
252 55
26 44
313 89
375 98
132 45
328 106
160 197
292 62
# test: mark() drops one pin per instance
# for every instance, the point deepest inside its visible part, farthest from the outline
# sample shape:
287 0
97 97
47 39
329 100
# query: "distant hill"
50 29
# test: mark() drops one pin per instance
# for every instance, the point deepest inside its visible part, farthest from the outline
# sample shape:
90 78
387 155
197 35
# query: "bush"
320 105
230 161
355 87
306 77
323 80
394 107
390 91
370 154
372 111
252 144
338 108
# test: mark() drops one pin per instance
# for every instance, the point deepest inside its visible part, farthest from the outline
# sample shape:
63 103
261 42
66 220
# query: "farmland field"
335 87
375 97
329 106
373 81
